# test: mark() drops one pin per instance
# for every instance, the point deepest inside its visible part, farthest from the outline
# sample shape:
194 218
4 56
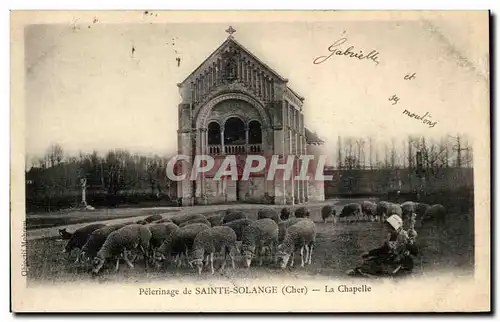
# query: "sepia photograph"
283 161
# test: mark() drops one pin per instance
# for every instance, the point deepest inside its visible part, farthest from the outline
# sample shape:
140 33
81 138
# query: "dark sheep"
327 212
233 215
141 222
302 212
97 239
420 209
80 237
285 213
160 232
351 210
64 234
269 213
436 213
238 226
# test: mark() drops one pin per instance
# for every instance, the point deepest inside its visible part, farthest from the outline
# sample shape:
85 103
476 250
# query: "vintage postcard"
250 161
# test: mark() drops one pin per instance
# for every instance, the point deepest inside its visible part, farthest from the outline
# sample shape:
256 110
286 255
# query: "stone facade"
233 104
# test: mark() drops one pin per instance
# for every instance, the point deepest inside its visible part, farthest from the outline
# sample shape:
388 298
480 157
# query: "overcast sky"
85 90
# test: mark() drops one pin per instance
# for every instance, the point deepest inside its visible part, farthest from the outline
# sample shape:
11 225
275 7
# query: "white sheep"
120 242
369 210
220 239
301 236
256 236
96 240
408 208
283 226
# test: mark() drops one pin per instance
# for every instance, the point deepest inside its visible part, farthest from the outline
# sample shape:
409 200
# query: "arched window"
234 131
254 132
214 133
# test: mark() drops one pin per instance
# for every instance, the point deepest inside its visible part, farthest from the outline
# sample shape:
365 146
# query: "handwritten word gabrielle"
349 52
426 119
231 168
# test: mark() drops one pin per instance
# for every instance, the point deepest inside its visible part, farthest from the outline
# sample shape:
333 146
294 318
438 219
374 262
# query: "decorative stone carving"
204 113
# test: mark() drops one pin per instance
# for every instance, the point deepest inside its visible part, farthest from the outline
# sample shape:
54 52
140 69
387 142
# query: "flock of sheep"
194 239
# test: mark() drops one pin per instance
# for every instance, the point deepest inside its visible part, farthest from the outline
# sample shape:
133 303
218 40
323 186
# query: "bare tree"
55 154
360 143
370 149
339 152
393 154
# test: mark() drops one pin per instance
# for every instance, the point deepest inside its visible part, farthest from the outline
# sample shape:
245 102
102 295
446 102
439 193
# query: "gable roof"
312 138
229 40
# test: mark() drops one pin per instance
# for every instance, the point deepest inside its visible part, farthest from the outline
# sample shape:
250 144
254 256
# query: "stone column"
222 140
246 139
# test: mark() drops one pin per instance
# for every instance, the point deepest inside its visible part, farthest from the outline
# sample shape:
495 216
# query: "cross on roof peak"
230 31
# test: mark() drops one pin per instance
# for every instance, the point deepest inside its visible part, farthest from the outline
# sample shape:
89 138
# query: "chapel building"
234 104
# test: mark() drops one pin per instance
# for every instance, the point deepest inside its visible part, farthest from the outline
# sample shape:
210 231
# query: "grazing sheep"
141 222
299 236
197 220
79 238
420 209
436 213
302 212
150 219
233 215
386 209
327 212
160 233
408 208
215 219
96 240
180 243
179 219
256 236
120 242
220 239
369 210
283 226
351 210
285 213
269 213
64 234
238 226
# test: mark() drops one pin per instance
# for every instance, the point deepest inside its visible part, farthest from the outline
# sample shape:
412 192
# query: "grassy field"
338 248
81 216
